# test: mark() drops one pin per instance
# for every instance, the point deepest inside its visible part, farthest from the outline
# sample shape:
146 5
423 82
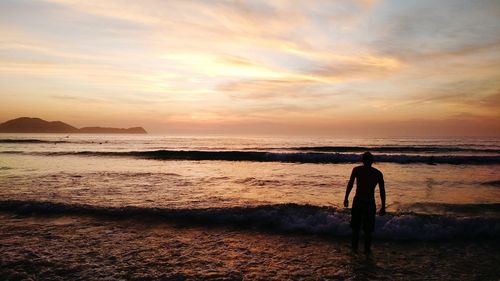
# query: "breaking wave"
282 218
28 141
491 209
395 149
492 183
300 157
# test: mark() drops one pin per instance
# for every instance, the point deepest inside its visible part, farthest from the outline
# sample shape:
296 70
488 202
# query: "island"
37 125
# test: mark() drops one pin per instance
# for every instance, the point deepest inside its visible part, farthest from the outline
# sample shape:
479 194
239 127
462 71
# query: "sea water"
437 189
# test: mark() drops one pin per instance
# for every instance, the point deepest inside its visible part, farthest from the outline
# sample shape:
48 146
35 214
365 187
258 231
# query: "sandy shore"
89 248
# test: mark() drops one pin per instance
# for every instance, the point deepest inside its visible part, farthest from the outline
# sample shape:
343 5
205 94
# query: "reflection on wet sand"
82 247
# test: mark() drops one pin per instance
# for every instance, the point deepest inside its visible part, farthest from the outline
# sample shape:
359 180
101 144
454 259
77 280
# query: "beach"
90 248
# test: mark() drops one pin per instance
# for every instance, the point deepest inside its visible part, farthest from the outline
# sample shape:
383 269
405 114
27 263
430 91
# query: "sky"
322 68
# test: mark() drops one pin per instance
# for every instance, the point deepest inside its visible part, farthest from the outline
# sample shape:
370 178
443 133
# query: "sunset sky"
339 68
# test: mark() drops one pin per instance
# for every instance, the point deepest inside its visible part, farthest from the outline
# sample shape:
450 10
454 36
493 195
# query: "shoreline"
85 247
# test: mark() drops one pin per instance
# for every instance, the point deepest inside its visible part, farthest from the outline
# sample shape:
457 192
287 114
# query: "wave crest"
301 157
282 218
395 149
28 141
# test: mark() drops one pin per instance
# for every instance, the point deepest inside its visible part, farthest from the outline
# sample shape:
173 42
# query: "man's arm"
381 186
350 184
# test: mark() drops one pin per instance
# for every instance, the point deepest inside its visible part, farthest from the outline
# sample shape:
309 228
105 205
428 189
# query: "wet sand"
90 248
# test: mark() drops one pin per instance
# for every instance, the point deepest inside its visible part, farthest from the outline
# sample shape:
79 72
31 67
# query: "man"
363 206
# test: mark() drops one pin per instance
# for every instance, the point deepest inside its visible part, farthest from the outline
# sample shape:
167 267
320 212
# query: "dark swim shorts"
363 214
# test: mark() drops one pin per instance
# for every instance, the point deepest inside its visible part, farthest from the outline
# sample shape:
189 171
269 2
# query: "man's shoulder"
358 168
377 171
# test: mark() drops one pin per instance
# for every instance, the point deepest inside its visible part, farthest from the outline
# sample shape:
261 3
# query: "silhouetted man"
363 206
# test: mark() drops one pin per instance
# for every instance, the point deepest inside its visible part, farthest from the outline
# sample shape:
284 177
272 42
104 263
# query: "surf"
285 157
279 218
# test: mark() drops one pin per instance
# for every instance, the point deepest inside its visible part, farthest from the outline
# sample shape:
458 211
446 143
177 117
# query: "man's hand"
382 211
346 203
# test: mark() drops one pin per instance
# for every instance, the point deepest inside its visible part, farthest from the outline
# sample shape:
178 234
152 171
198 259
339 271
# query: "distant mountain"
37 125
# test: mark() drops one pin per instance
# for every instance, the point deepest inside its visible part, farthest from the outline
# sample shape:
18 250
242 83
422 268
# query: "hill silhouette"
37 125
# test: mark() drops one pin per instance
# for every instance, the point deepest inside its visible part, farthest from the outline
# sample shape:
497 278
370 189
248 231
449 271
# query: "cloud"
491 101
479 96
264 89
79 99
427 29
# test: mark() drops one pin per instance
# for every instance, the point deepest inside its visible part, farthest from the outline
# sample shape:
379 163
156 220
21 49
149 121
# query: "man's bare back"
367 179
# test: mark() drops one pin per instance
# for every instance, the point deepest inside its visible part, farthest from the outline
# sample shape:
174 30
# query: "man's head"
367 159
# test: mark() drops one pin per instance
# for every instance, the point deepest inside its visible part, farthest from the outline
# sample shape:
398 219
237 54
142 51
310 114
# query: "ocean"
157 207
